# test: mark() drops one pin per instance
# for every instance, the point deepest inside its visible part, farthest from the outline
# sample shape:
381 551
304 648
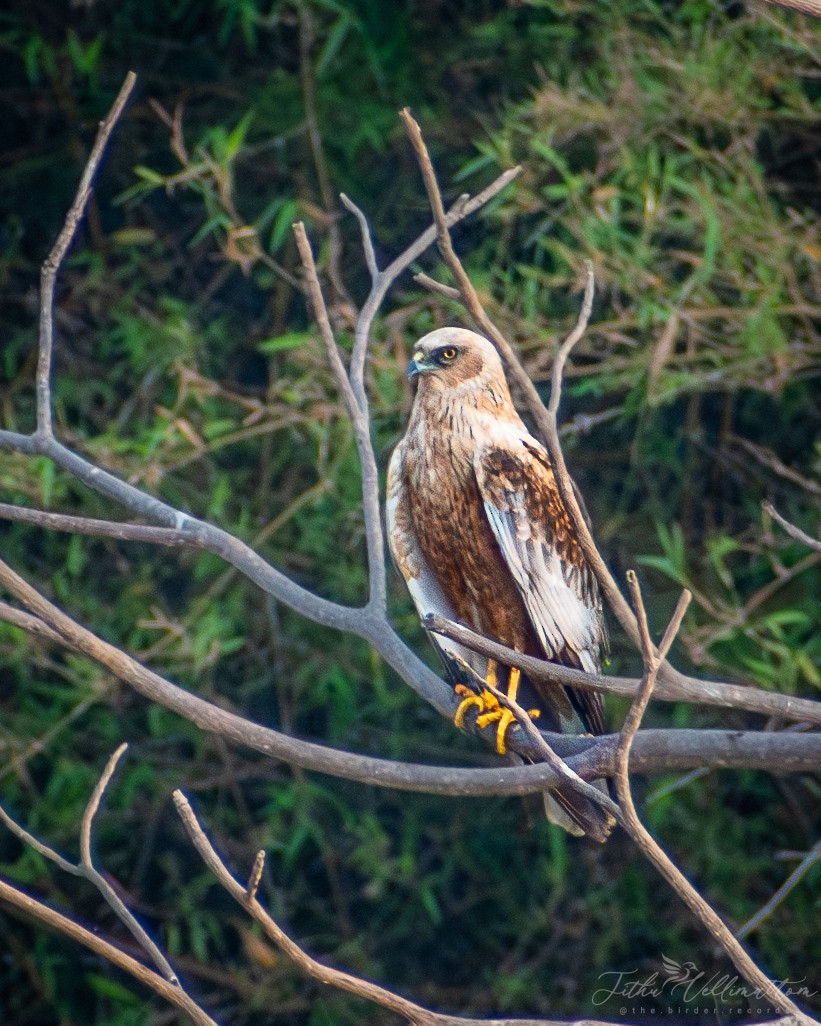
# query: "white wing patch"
560 616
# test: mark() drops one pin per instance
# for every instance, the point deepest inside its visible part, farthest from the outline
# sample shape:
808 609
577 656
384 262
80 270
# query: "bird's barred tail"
578 815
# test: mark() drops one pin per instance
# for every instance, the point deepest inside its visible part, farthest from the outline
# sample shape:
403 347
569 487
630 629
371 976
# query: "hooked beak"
417 365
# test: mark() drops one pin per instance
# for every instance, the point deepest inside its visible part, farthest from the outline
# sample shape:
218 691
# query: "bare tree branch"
653 658
30 624
377 592
95 528
42 913
686 689
244 895
55 258
797 875
678 689
791 529
589 757
448 291
85 867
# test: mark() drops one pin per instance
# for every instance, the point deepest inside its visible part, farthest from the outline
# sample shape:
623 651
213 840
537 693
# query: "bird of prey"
479 531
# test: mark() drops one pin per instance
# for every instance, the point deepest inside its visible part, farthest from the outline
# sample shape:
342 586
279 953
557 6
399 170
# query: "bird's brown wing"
426 591
539 546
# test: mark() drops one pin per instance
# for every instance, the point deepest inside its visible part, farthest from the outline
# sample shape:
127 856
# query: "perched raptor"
479 531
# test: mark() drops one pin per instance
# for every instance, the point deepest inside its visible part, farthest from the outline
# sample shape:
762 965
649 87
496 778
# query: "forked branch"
245 896
85 867
704 912
587 756
31 908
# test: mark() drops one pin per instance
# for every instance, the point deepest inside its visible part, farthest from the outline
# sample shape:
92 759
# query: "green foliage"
673 145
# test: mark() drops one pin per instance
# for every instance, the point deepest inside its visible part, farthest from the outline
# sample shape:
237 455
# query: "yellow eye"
449 353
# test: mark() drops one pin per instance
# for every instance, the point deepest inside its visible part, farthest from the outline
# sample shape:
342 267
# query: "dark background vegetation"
677 145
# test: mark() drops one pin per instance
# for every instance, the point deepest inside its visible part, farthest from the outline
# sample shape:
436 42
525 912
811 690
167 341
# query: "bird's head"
454 359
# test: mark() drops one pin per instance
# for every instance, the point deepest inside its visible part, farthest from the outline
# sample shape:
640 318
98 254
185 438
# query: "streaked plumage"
478 529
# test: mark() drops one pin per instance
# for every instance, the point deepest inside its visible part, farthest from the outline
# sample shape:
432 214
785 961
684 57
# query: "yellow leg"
513 683
506 717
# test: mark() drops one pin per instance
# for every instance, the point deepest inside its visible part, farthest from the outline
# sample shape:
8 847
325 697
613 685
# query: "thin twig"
448 291
666 789
33 842
28 623
94 804
791 529
798 874
365 232
730 696
377 591
572 339
703 911
40 912
85 867
54 260
95 528
767 458
89 871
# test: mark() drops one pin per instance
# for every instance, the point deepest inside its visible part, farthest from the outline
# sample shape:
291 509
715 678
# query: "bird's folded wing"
426 592
537 541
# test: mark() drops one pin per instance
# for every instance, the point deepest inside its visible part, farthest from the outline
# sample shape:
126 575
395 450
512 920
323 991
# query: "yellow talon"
506 717
464 705
490 711
491 703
